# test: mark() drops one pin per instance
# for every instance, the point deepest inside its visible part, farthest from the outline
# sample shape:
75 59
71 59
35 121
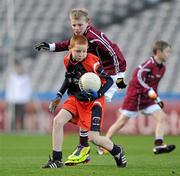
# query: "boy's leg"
83 146
159 145
115 127
81 153
83 149
96 112
116 151
78 154
57 139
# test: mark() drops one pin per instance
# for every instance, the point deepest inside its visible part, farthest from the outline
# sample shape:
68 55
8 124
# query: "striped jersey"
147 75
109 53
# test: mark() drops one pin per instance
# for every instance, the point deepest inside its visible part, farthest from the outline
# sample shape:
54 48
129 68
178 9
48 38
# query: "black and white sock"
84 138
158 141
116 149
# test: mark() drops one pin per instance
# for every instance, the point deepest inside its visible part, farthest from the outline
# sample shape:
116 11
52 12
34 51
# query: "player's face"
79 26
165 54
79 52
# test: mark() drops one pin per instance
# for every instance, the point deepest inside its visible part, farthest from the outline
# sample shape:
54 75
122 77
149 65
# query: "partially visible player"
110 56
84 110
142 96
109 53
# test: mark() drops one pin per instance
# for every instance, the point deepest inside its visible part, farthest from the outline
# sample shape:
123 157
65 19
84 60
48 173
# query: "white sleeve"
52 46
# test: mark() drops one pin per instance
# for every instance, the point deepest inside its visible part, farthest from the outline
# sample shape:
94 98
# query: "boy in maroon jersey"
142 96
109 53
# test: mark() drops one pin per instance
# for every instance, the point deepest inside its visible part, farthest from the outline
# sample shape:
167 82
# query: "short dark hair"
160 45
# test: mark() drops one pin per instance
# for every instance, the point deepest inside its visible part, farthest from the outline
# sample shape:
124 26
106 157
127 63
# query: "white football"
88 81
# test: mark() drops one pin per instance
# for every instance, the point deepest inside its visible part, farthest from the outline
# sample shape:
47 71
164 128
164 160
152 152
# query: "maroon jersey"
144 77
109 53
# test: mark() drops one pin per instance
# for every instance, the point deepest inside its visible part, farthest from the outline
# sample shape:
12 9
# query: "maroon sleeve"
62 46
141 77
108 50
147 75
121 59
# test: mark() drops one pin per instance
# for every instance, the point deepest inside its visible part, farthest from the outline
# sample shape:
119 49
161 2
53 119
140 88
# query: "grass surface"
24 155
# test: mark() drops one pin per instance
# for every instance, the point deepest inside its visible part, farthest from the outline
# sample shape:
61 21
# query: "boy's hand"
42 45
152 94
91 95
120 83
54 103
159 102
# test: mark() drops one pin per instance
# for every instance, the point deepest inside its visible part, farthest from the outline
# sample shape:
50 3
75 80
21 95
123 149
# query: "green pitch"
23 155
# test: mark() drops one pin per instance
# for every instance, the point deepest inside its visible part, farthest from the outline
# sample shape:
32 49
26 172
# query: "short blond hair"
78 13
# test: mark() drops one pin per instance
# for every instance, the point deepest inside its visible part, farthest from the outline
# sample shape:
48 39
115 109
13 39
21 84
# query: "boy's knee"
57 122
95 141
94 137
160 115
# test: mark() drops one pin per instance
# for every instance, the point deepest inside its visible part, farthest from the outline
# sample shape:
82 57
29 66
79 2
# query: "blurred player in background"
142 96
78 62
110 56
17 93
